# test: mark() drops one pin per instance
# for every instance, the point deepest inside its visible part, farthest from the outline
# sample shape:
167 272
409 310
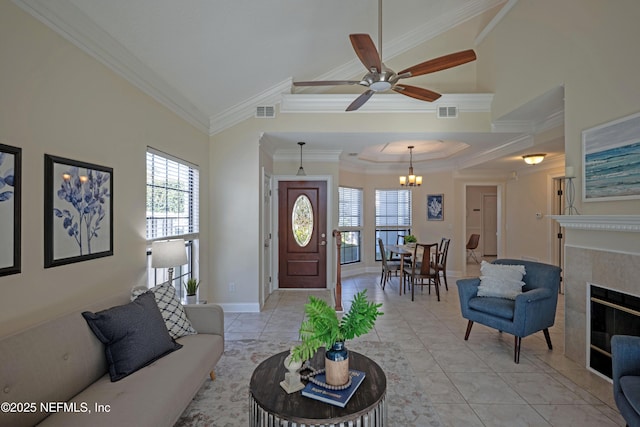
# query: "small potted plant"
323 328
191 286
410 240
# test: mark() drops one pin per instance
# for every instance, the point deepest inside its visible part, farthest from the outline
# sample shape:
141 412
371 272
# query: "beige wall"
583 45
57 100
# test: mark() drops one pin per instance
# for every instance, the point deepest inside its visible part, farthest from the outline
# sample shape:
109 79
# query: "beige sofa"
56 374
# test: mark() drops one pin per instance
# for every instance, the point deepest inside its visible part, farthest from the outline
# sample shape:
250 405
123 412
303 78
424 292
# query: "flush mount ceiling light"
301 169
533 159
411 180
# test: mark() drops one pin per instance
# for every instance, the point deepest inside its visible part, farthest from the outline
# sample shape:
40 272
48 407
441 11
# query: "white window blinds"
393 208
173 190
350 209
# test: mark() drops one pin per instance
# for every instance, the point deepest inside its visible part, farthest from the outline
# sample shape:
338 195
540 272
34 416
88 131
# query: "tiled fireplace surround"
590 257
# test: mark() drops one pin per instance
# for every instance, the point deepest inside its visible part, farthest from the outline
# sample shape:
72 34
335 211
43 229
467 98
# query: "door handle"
323 243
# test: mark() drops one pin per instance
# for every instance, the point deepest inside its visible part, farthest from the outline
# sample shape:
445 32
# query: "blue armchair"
625 352
532 311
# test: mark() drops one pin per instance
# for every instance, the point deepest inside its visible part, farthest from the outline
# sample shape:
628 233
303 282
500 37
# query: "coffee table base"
376 417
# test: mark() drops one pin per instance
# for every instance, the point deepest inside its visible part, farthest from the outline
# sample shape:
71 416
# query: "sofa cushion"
501 281
154 396
630 386
501 307
134 335
172 311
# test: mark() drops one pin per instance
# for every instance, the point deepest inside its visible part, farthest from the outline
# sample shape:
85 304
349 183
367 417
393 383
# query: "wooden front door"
302 228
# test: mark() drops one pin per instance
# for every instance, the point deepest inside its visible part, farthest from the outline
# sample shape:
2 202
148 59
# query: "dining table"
403 251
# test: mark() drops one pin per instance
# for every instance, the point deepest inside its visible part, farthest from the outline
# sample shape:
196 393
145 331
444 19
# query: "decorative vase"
192 299
336 363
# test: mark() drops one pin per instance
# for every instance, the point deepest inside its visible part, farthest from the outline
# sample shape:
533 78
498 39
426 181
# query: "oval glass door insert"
302 220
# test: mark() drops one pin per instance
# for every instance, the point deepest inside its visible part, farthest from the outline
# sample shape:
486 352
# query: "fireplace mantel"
625 223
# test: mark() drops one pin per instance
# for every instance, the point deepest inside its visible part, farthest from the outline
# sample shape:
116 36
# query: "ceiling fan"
379 78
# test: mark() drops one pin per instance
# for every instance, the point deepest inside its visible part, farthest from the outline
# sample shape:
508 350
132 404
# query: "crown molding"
310 156
623 223
75 26
388 103
517 144
494 22
551 121
247 109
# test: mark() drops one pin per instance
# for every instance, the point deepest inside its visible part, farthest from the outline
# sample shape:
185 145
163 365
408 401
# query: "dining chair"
388 265
423 268
443 251
472 245
407 258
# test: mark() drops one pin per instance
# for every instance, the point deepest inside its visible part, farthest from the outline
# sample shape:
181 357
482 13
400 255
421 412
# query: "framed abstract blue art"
435 207
78 211
10 209
611 160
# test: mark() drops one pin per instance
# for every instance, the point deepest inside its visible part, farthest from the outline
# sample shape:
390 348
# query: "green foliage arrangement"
191 286
322 327
410 238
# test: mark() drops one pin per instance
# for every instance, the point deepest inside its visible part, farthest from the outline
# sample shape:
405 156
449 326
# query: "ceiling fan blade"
359 101
327 83
366 51
438 64
417 92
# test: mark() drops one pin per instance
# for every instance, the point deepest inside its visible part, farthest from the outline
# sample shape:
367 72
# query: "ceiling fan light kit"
533 159
379 78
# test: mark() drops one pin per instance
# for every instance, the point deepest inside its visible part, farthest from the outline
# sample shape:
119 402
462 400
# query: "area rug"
225 401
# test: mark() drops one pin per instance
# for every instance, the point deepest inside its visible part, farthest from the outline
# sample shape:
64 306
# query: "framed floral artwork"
435 207
78 211
10 209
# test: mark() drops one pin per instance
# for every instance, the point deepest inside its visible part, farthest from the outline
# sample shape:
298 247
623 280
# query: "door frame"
267 226
500 189
330 267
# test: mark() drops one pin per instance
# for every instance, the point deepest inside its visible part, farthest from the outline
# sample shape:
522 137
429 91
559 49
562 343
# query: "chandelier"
411 180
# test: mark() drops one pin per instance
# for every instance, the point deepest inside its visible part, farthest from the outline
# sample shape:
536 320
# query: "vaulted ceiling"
213 61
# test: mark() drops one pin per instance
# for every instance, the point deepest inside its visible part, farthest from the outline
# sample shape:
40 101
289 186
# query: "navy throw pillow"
134 335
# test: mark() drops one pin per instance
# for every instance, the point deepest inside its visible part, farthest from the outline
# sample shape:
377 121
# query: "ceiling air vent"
266 112
447 112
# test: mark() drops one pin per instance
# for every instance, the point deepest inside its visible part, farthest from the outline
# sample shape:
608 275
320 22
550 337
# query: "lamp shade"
168 253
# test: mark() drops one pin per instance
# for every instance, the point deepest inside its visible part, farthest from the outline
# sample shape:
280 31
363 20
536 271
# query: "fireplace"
611 313
601 250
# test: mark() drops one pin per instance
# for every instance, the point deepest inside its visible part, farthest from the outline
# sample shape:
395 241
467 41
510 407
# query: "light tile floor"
470 383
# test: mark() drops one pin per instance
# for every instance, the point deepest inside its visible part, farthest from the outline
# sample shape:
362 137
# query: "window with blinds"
173 190
393 217
172 197
350 223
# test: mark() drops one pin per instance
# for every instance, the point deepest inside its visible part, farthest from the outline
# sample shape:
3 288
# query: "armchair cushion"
501 281
500 307
630 386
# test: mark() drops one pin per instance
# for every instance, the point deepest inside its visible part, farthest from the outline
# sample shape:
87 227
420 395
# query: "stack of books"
334 397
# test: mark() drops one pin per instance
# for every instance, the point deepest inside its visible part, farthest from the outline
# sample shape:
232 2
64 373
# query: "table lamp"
168 254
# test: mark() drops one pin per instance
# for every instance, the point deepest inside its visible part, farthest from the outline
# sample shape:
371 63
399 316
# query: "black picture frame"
78 211
435 207
10 209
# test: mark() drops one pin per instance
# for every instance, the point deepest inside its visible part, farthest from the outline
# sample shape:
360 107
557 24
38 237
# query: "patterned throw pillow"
172 311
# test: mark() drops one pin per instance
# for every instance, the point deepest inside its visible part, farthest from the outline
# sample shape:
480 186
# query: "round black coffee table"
271 405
